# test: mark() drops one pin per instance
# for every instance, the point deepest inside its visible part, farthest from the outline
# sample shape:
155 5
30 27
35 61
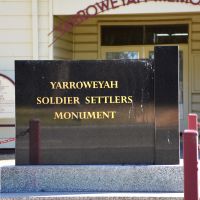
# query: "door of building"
147 51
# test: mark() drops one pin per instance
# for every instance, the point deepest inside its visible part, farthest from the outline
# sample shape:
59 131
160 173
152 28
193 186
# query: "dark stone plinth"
166 104
118 124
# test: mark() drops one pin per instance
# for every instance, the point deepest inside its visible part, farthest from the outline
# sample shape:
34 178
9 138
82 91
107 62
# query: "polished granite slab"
100 112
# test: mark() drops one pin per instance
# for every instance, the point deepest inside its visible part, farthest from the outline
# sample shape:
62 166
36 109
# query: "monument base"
92 179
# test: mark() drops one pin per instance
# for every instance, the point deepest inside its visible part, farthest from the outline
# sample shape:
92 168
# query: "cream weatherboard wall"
63 47
15 33
195 66
86 40
24 27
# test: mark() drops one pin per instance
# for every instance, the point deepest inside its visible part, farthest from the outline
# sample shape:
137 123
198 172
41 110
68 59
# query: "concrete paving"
7 160
93 196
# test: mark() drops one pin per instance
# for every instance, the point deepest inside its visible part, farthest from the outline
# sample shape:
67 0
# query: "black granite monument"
100 112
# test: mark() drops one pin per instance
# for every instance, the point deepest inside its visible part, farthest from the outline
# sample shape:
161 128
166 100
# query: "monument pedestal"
97 182
92 179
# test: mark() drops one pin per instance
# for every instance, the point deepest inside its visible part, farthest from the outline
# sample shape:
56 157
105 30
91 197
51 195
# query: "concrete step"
93 196
92 178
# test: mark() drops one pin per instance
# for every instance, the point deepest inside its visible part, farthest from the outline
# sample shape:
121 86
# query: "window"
140 35
122 55
121 35
166 34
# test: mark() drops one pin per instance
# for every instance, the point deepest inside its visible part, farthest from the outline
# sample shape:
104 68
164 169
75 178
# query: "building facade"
118 32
